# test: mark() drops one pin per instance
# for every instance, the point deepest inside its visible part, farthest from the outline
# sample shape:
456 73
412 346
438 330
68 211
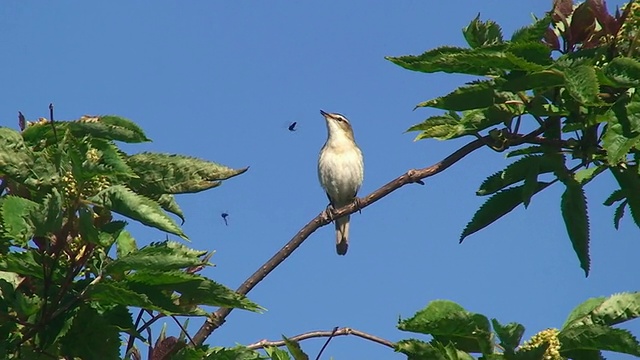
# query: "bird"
340 171
292 126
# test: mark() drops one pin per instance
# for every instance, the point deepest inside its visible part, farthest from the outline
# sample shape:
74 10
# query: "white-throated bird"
341 171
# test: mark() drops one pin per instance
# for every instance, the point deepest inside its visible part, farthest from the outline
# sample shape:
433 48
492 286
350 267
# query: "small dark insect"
224 217
292 126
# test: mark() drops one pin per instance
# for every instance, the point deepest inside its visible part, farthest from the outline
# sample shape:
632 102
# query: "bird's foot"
329 213
357 202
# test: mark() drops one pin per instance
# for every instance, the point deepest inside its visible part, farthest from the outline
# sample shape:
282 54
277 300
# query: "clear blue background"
222 80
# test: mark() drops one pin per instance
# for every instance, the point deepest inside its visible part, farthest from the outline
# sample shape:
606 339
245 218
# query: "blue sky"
222 80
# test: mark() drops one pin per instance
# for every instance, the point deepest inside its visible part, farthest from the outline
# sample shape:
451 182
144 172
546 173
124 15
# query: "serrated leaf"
496 207
623 71
115 293
236 353
629 182
609 311
478 95
589 337
532 33
16 160
509 335
526 151
441 127
621 133
582 83
17 221
125 202
112 158
482 33
108 127
516 172
176 174
448 322
100 338
276 354
125 244
615 196
618 214
168 203
535 80
26 263
584 176
194 289
480 61
420 350
163 256
295 350
574 212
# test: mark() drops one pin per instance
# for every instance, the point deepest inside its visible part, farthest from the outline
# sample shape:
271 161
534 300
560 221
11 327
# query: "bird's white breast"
341 170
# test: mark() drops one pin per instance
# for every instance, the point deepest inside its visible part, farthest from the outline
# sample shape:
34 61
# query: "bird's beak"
324 113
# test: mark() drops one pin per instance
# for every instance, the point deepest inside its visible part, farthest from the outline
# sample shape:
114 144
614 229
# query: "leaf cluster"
561 94
70 273
456 333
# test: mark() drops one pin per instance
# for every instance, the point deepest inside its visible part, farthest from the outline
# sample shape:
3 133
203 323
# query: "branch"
318 334
217 318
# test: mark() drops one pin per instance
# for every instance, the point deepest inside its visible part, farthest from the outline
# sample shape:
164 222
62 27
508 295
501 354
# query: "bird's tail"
342 235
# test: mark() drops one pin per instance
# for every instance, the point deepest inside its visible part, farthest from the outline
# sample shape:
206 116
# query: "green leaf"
116 293
125 202
108 127
125 244
527 151
92 336
532 33
441 127
582 83
478 95
194 289
584 176
448 322
598 337
576 219
581 314
609 311
168 203
236 353
615 196
496 207
17 219
420 350
480 61
479 33
618 214
16 160
629 182
276 354
621 132
23 263
176 174
516 172
536 80
623 71
112 158
295 350
163 256
509 334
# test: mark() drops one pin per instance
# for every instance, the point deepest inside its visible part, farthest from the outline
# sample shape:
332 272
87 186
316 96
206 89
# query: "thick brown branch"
318 334
217 318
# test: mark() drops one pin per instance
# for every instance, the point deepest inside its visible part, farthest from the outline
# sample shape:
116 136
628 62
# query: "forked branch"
319 334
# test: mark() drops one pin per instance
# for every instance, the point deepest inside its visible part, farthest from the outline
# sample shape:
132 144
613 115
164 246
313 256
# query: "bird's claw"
329 213
358 204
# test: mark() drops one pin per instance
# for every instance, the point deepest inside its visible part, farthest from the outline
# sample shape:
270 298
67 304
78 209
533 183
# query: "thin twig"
217 318
327 342
318 334
183 329
53 125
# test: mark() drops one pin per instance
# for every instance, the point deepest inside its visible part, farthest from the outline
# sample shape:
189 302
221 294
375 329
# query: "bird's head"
338 125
